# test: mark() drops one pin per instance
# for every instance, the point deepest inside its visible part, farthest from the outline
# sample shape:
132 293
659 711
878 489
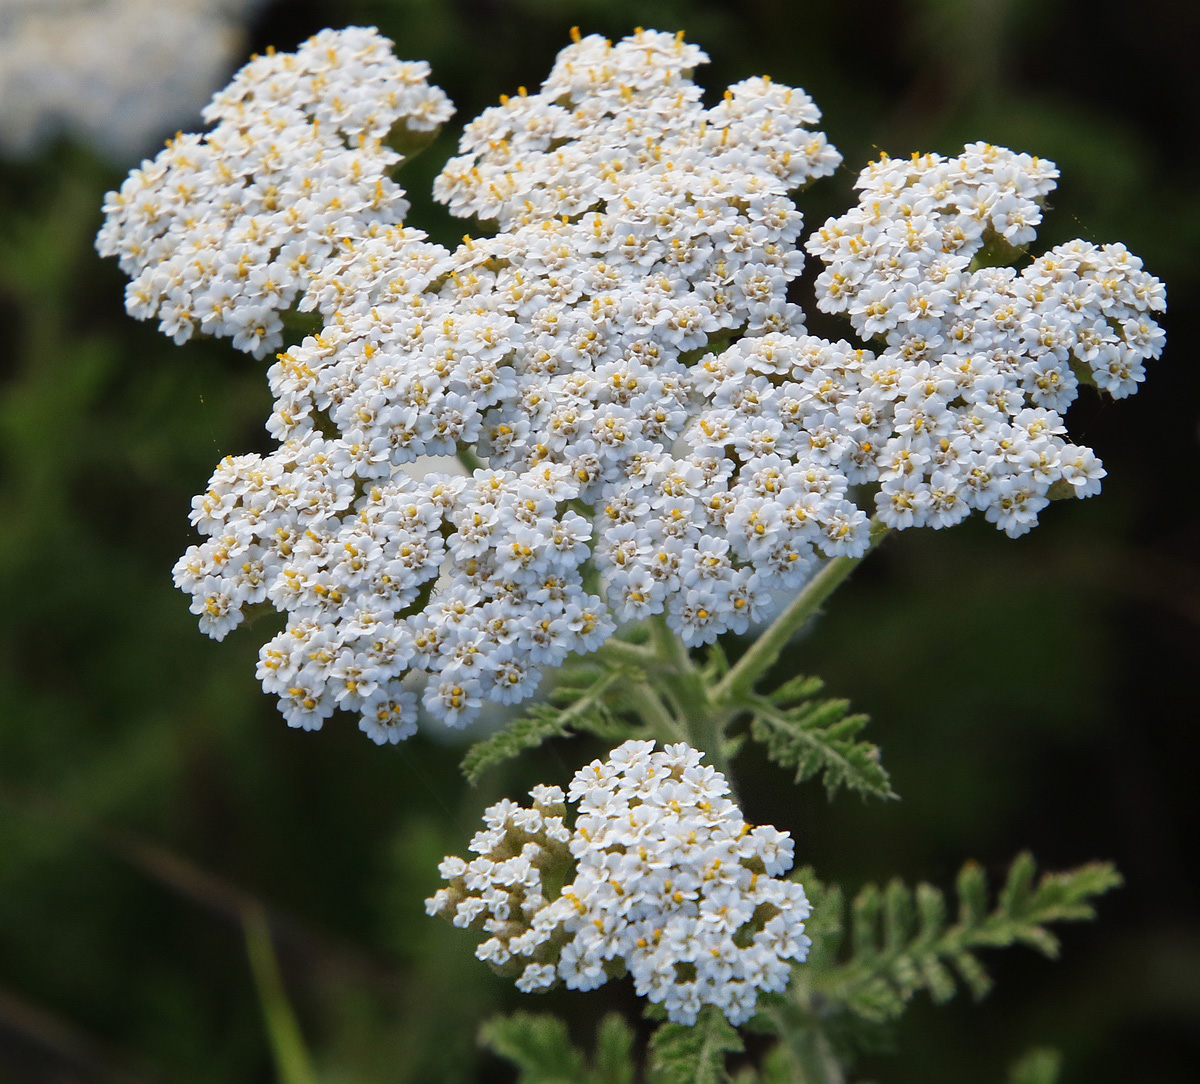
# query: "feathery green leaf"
614 1052
541 1049
537 1044
693 1055
817 737
581 707
900 943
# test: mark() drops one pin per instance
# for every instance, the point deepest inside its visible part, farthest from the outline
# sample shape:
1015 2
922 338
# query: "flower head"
221 233
976 363
661 877
659 433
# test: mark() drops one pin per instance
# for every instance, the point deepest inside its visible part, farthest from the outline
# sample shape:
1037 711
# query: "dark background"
1031 693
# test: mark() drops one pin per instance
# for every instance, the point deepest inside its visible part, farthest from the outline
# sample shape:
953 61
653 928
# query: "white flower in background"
659 432
660 877
117 74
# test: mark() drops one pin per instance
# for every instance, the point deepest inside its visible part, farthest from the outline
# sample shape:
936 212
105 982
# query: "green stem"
766 649
698 720
292 1063
707 733
669 647
663 724
814 1058
808 1048
469 459
679 674
634 654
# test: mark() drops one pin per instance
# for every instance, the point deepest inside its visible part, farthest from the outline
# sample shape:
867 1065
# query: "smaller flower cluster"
963 403
661 878
222 232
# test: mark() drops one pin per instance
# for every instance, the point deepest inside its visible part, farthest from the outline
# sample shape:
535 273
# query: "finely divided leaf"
614 1052
817 737
693 1055
900 943
801 687
581 707
537 1044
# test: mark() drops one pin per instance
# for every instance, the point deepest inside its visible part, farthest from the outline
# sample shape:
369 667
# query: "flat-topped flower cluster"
965 398
661 878
659 433
222 232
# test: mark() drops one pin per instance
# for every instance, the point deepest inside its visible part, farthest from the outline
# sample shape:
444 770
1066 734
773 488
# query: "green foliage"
1038 1066
776 1068
538 1044
569 705
680 1054
816 736
614 1052
716 664
541 1049
900 942
292 1063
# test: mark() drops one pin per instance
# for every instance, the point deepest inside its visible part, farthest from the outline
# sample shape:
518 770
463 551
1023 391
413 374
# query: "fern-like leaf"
537 1044
614 1052
900 943
776 1068
817 737
581 707
680 1054
541 1049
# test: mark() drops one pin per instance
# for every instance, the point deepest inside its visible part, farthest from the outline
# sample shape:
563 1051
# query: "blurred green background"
1032 693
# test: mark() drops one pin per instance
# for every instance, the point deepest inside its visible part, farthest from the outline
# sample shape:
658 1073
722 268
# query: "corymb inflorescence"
650 428
658 876
963 399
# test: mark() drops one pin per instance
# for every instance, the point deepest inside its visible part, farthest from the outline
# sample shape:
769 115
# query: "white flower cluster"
618 135
961 408
114 73
654 420
561 346
354 573
222 232
665 881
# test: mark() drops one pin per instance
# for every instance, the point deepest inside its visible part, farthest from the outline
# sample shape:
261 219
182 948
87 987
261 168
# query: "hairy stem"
701 721
623 651
665 727
766 649
814 1058
805 1043
468 458
670 648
